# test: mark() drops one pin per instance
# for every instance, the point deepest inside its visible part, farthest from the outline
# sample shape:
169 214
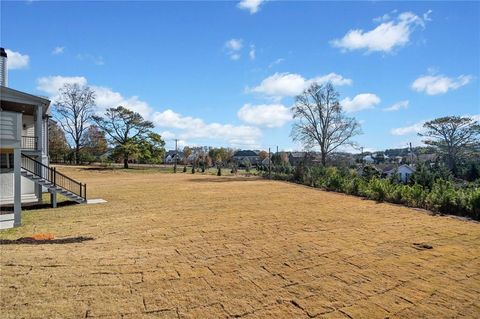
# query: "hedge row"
442 197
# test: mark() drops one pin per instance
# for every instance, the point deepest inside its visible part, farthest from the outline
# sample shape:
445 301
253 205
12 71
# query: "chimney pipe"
3 67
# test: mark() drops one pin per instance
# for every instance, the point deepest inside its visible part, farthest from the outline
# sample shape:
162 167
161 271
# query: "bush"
436 193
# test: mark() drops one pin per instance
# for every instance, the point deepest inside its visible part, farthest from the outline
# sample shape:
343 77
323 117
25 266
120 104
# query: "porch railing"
29 142
56 178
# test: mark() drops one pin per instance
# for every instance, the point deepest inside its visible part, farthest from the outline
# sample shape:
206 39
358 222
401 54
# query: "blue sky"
225 73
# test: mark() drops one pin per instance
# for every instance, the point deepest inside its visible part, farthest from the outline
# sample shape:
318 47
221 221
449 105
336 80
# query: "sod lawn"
200 246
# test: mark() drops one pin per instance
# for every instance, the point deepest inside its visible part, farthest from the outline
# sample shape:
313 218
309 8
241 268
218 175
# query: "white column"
38 128
17 188
39 135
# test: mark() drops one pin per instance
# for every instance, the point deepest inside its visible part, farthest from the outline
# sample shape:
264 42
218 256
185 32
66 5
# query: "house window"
6 162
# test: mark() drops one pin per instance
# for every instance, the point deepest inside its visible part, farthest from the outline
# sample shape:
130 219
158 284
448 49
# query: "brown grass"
194 246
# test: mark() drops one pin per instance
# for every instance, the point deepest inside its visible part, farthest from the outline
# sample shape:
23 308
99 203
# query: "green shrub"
437 194
378 189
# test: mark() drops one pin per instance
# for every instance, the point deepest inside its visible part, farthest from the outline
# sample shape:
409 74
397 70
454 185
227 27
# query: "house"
296 158
24 164
247 155
266 161
427 158
309 158
368 159
404 172
170 157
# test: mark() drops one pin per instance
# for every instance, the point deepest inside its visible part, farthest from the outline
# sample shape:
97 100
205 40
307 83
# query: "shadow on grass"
100 168
225 179
39 206
32 241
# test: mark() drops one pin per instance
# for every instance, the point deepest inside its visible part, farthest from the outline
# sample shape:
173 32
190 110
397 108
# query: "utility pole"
411 153
269 164
361 156
176 156
278 159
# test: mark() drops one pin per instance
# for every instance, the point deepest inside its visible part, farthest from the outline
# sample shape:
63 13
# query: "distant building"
241 156
404 172
171 155
266 161
368 159
295 158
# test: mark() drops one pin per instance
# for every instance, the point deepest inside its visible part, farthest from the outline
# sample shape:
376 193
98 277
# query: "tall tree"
321 121
454 137
152 149
57 143
263 155
95 143
125 130
187 151
74 109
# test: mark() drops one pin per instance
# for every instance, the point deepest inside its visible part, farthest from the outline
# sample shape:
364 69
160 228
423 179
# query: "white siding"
9 126
28 128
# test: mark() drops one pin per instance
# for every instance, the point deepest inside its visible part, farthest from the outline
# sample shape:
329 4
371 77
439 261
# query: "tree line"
449 185
78 135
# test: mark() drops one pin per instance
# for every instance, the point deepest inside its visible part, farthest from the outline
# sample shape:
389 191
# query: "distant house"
427 158
171 155
404 172
241 156
266 161
296 158
368 159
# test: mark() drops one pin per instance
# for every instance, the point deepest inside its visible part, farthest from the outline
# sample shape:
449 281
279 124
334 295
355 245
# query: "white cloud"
277 61
265 115
397 106
167 135
58 50
97 60
291 84
234 44
189 127
105 97
250 5
252 52
233 48
439 84
51 84
360 102
16 60
418 127
406 130
385 37
195 128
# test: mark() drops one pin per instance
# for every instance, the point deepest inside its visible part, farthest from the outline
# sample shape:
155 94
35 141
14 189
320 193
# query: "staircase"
55 182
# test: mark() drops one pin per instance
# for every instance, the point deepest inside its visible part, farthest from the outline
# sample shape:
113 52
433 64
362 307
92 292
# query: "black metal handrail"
29 142
56 178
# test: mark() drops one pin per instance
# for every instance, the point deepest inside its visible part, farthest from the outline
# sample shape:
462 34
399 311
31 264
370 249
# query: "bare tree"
454 137
321 121
125 129
74 110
